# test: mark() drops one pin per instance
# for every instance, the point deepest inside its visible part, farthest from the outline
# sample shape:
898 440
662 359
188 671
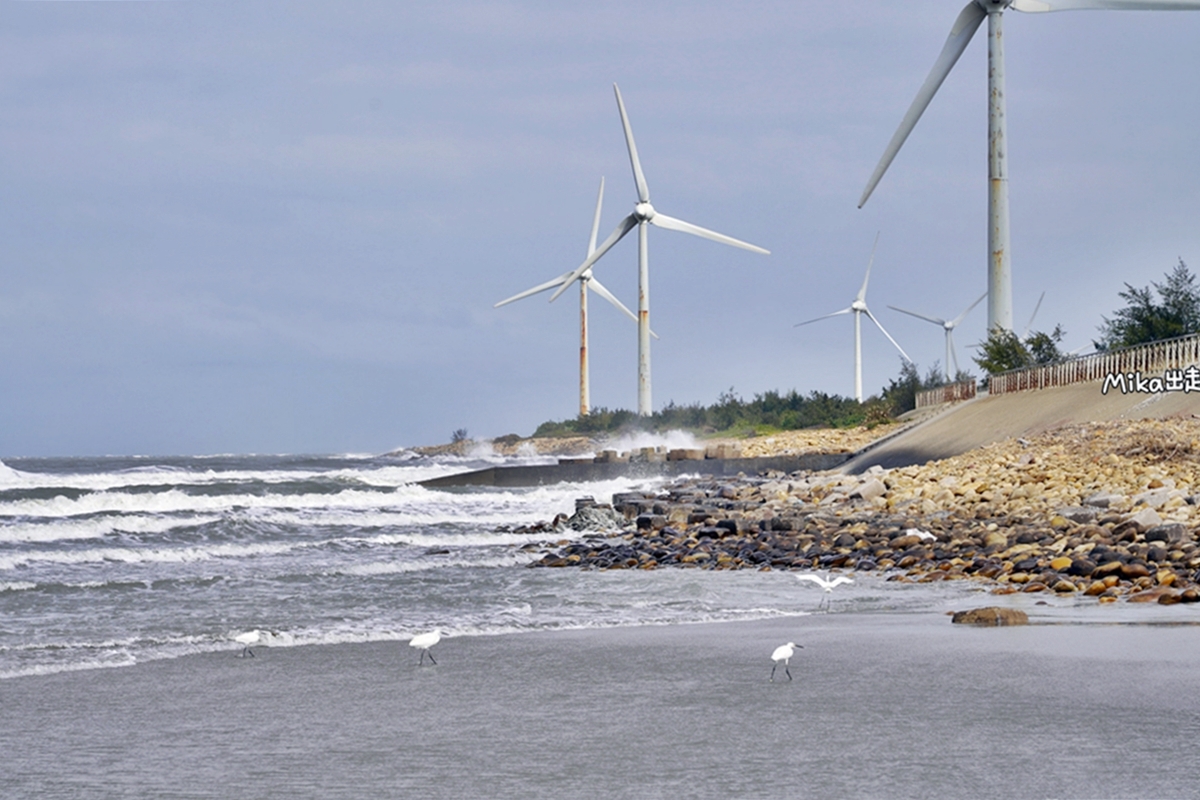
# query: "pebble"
1067 511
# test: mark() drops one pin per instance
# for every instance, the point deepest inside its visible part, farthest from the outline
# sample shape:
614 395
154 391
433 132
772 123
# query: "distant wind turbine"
586 281
949 327
1000 314
858 308
1036 308
645 214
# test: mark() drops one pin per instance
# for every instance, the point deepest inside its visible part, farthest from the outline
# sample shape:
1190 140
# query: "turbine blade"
563 279
1029 324
862 293
638 178
827 316
1038 6
960 36
934 320
888 335
963 315
672 224
599 289
623 227
596 219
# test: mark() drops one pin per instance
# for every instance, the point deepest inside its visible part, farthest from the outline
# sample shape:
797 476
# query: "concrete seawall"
580 472
990 419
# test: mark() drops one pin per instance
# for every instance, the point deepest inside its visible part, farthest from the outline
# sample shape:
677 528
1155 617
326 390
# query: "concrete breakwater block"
992 616
723 451
686 454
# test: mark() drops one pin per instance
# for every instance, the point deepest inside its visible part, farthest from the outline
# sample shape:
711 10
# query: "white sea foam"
671 440
160 475
96 528
403 505
130 555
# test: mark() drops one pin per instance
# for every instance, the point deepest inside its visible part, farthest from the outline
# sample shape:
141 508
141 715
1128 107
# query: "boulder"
1102 499
1143 520
870 489
1171 532
1078 514
991 616
995 539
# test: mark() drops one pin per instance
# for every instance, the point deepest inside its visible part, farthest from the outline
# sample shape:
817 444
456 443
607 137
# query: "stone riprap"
1105 510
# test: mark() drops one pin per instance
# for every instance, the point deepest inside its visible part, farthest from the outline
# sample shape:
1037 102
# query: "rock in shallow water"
991 616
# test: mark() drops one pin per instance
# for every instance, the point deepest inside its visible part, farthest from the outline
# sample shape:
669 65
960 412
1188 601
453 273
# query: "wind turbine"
586 281
858 308
949 327
999 256
644 214
1029 325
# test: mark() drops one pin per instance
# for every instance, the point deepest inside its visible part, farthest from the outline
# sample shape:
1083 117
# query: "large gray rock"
1078 514
1170 532
597 518
870 489
1143 520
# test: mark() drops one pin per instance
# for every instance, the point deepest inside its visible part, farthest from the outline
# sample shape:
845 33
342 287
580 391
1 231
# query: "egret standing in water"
246 639
784 653
425 641
827 584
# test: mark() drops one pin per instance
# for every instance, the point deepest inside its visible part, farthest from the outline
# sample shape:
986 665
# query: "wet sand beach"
1097 702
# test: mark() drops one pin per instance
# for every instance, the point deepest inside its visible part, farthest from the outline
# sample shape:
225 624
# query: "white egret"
425 641
784 653
248 638
828 584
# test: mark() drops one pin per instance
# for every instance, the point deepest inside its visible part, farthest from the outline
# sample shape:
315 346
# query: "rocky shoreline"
1106 510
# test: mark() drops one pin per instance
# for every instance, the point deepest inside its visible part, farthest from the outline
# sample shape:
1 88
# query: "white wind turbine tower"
948 326
645 214
858 308
999 249
586 281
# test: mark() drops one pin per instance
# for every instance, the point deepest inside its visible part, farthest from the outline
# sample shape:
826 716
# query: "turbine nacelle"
858 305
644 211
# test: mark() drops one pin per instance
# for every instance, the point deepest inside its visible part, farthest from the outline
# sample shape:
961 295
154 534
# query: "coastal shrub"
1003 350
1176 313
900 395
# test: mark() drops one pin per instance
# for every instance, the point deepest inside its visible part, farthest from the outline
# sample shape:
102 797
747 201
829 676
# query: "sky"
280 227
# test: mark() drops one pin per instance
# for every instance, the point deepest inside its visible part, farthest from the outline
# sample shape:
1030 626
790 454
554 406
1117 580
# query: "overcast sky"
281 226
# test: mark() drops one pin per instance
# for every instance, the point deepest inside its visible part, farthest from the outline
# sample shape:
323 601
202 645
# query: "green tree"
901 392
1176 313
1003 350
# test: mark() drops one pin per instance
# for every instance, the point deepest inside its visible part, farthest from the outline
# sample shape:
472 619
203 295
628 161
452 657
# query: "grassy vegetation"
769 412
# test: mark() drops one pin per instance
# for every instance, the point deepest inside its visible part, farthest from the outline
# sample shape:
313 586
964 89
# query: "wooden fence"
950 393
1147 359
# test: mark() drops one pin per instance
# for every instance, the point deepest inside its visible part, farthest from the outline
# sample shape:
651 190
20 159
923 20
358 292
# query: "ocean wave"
401 505
385 475
96 528
131 555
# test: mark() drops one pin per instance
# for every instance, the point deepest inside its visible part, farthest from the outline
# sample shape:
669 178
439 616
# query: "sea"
110 562
124 582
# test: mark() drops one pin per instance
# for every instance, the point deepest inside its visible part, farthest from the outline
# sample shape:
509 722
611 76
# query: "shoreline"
1102 509
631 711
